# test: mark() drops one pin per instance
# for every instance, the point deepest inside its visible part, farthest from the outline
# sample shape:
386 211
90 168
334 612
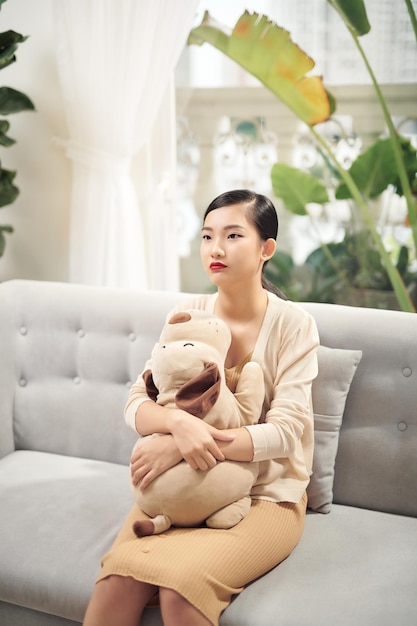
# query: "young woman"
193 573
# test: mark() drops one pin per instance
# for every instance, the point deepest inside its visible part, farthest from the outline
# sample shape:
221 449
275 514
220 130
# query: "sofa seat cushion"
62 515
353 566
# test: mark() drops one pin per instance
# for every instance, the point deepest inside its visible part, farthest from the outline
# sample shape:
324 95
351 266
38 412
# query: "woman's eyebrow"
229 227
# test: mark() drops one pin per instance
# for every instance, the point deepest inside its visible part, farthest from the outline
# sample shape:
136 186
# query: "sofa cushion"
330 389
353 566
62 515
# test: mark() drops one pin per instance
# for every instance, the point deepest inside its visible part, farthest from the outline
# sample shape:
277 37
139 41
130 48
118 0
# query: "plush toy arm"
250 393
200 394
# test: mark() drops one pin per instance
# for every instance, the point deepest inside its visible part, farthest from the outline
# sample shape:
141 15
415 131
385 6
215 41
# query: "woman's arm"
197 442
157 454
240 448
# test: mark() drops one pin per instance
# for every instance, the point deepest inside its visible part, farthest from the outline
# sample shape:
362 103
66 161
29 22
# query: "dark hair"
261 213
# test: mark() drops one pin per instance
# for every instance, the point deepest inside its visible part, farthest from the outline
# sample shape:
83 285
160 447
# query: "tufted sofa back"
68 354
376 464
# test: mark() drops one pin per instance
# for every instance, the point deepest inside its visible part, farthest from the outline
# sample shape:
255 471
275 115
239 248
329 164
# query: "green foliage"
354 264
376 168
8 191
9 41
279 271
296 188
11 101
4 229
266 51
353 13
348 271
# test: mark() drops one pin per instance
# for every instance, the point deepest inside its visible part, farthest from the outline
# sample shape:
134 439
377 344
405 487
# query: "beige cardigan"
283 440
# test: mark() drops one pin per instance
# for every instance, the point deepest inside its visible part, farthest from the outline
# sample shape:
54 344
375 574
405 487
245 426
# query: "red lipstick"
217 266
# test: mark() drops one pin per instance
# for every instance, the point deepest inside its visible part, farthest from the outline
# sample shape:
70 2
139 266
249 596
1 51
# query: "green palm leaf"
376 168
353 13
296 188
266 51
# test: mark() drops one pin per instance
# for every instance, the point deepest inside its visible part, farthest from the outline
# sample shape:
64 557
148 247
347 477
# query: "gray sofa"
68 355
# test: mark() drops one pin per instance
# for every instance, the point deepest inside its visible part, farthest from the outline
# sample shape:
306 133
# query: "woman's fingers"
201 462
205 455
138 471
151 458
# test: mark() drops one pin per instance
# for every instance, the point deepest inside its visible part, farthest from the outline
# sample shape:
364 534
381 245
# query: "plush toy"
187 371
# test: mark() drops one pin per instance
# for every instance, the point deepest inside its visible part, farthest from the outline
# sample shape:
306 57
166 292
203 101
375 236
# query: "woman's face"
231 250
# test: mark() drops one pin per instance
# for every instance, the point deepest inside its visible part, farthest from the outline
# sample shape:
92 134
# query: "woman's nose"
216 249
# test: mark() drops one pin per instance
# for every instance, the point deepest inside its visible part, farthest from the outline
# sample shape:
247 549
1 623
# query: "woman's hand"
196 440
151 458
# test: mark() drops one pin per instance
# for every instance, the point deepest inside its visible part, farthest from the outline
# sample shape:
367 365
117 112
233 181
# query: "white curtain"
115 61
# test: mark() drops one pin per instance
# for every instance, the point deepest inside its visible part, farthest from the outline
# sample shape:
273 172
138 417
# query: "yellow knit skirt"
208 566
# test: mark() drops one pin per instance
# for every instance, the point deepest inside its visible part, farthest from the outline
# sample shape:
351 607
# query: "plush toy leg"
230 515
143 528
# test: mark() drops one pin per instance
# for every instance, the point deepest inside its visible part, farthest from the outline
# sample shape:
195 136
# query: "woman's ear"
268 248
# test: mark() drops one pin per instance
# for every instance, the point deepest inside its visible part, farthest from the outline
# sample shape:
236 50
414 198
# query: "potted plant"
265 50
353 272
11 101
345 272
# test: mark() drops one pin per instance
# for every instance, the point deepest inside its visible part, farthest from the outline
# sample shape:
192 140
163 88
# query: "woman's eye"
206 237
234 235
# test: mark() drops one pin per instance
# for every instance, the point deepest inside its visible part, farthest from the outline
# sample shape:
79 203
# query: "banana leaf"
353 13
376 168
266 51
296 188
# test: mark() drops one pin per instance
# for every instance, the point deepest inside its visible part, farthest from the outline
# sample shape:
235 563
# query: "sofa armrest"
8 339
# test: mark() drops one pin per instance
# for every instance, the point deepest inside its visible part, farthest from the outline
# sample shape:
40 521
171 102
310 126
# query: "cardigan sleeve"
293 358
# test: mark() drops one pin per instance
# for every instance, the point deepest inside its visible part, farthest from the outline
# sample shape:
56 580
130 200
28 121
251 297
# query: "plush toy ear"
151 388
180 318
200 394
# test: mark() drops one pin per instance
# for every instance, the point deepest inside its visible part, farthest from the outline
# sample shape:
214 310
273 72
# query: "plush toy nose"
180 318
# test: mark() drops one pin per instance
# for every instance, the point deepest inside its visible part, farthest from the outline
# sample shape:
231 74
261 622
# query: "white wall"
38 249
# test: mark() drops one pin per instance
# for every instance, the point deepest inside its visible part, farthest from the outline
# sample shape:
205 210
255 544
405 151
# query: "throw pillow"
336 368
